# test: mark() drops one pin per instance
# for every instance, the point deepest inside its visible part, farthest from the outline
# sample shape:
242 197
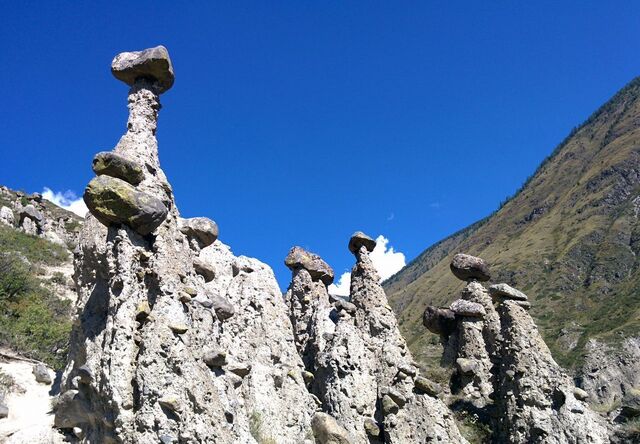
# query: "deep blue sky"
299 122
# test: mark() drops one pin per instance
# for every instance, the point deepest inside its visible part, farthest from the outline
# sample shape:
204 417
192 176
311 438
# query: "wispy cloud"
391 217
386 260
67 200
434 204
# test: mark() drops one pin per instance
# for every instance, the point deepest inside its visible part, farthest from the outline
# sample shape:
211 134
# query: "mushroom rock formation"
159 353
365 376
536 401
308 303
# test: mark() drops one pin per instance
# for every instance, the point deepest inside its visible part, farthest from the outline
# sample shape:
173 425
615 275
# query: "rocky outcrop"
364 375
163 351
536 400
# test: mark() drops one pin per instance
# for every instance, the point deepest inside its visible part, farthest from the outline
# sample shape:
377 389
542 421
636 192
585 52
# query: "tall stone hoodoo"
364 375
177 340
536 400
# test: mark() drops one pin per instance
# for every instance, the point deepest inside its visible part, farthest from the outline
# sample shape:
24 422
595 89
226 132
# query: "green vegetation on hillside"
33 321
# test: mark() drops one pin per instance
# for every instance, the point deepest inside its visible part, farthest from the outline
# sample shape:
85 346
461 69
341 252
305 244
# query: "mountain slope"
569 238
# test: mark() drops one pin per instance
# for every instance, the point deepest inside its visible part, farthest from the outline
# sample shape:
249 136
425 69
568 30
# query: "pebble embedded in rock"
427 386
215 358
202 229
326 430
204 269
178 328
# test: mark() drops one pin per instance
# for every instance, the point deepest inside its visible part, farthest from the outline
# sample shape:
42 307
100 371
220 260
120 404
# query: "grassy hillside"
569 238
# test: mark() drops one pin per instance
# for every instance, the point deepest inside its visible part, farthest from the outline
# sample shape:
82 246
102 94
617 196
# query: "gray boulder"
298 258
33 214
204 269
114 201
41 372
326 430
505 291
359 239
151 63
202 229
6 216
467 308
222 307
441 321
469 268
115 165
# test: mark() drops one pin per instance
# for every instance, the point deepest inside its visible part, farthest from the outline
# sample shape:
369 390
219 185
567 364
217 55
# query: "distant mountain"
569 238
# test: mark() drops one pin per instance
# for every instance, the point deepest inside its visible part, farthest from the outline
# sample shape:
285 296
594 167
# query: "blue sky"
299 122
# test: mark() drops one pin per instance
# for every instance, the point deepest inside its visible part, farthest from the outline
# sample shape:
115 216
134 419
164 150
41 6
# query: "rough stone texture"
31 220
298 257
365 373
150 383
151 64
114 201
535 398
6 216
115 165
462 307
309 311
358 240
326 430
468 268
609 373
200 230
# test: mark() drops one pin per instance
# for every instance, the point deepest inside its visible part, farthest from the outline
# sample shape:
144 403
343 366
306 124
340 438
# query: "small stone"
371 427
4 410
170 403
203 300
152 63
114 201
467 308
345 306
389 406
215 358
298 258
204 269
407 369
190 291
239 369
466 365
78 432
222 307
427 386
506 292
397 397
202 229
580 394
41 372
308 377
469 268
326 430
359 239
178 328
143 310
184 297
115 165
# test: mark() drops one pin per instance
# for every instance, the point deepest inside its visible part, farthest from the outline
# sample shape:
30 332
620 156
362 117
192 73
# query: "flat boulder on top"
114 201
298 258
467 308
505 291
359 239
469 268
151 63
115 165
203 229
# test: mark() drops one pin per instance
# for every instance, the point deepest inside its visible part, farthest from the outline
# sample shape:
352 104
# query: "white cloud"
67 200
387 262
